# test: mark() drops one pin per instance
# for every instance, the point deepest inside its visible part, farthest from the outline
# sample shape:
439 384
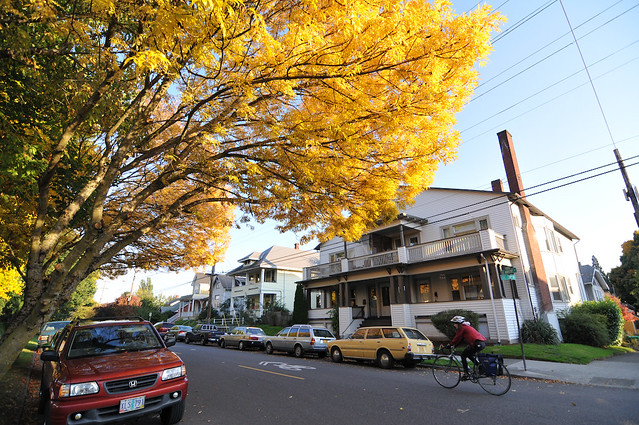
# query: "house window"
413 240
337 256
423 292
270 275
473 289
558 288
465 228
216 303
255 277
454 286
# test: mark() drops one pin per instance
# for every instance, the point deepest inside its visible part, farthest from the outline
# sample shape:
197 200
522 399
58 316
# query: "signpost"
508 273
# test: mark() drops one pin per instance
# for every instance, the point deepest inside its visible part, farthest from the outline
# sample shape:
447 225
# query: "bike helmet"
458 319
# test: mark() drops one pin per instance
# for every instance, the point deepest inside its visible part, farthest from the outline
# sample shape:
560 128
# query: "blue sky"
534 85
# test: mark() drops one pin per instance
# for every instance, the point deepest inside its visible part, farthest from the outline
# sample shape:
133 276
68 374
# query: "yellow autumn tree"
141 121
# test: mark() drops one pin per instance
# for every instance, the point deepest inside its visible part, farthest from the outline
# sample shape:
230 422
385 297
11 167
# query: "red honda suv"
111 370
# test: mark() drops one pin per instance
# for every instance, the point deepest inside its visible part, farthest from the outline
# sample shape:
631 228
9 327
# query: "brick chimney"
537 268
497 185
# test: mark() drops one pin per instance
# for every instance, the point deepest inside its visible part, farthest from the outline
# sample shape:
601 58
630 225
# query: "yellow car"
385 345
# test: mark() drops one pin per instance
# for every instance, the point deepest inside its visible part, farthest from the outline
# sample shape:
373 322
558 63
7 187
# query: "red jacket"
468 334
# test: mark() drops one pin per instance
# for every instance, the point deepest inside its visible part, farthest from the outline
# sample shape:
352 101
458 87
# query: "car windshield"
102 340
413 333
255 331
51 327
325 333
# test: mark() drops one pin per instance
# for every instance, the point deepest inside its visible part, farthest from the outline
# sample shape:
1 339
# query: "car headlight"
173 373
85 388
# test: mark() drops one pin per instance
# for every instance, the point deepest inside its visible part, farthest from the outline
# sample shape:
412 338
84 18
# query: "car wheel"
269 348
203 341
298 352
385 359
187 340
336 355
172 414
241 345
222 343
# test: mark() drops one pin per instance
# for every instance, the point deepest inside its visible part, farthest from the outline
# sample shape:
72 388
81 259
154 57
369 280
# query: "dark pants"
469 353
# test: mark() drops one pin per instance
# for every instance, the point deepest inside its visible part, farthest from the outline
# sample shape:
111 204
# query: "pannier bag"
491 364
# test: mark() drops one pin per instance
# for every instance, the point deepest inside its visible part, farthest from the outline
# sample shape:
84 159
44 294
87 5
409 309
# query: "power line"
588 73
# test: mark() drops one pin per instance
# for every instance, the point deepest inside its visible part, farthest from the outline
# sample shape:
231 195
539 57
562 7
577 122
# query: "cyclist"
475 340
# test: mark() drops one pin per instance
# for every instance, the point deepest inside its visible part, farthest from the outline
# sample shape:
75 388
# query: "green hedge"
441 320
539 332
613 317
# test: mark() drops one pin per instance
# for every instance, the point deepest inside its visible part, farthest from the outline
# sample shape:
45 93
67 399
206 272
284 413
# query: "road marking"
286 366
274 373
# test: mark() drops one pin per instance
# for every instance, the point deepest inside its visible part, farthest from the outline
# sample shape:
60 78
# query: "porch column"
392 290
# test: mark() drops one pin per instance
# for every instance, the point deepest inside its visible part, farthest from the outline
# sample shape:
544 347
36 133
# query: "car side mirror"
49 356
170 342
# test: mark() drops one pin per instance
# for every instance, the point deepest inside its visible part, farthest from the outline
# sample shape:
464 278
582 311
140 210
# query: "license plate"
131 404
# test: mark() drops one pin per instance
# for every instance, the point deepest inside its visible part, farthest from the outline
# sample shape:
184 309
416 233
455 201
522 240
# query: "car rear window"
102 340
323 333
255 331
413 333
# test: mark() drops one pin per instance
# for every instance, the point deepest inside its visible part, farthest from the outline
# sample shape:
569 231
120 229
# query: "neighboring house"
595 283
190 306
270 276
450 250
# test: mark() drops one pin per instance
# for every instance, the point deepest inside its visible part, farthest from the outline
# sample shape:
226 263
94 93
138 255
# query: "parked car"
243 337
385 345
101 371
300 340
163 327
48 330
178 332
204 333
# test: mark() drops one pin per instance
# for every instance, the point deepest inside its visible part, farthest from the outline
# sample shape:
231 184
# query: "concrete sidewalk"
621 371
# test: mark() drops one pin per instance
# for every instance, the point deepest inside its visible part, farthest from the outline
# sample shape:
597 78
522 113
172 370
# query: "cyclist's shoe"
465 377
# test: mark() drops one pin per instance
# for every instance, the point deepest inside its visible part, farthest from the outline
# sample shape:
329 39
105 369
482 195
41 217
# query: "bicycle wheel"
496 385
447 371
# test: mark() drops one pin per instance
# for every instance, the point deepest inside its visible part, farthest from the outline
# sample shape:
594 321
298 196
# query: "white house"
451 249
270 276
190 306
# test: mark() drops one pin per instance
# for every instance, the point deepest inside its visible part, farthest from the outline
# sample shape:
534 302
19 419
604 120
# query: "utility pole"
629 192
208 306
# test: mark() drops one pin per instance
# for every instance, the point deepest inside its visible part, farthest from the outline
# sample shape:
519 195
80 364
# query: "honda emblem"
133 384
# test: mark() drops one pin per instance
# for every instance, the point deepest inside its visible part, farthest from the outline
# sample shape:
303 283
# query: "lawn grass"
561 353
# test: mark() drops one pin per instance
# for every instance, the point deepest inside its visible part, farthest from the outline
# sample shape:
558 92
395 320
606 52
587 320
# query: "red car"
163 327
111 370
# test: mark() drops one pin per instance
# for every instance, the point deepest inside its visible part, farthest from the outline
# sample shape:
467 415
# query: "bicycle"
494 379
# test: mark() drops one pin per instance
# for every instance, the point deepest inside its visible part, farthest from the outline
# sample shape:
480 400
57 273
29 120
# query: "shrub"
582 328
612 316
539 332
441 320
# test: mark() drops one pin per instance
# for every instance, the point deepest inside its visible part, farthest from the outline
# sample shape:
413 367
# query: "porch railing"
460 245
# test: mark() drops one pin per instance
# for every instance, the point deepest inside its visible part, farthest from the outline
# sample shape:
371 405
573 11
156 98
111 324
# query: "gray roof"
590 275
226 281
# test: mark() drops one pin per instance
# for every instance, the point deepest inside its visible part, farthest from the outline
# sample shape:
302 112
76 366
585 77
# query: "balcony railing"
461 245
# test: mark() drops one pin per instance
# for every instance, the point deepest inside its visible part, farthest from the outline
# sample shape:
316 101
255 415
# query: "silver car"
243 337
300 340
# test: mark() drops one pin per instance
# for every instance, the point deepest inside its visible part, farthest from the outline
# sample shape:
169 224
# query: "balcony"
472 243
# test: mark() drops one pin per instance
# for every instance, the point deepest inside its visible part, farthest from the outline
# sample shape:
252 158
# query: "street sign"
508 273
